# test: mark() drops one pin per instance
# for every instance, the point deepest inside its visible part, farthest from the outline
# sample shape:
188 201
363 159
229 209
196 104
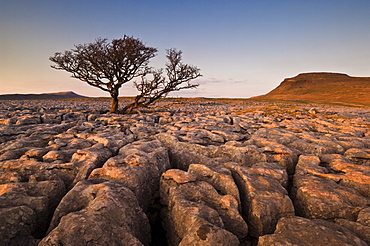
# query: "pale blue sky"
244 47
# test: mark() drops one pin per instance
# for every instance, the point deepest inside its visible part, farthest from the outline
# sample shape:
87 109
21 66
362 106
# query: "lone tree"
106 65
110 65
177 77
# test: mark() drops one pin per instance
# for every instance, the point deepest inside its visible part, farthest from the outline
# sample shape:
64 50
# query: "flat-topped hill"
323 87
57 95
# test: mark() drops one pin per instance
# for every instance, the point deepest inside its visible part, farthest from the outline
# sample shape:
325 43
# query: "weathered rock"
245 155
58 155
81 165
208 235
358 156
28 120
276 152
98 214
201 136
13 154
51 118
269 169
112 141
8 121
78 143
348 174
27 208
36 153
358 229
219 177
309 164
25 168
9 177
17 225
24 143
310 148
196 214
86 160
228 136
138 166
364 217
73 116
264 199
183 154
301 231
316 196
179 176
350 142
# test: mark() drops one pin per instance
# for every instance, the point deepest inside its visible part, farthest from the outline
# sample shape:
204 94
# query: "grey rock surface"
104 213
188 172
301 231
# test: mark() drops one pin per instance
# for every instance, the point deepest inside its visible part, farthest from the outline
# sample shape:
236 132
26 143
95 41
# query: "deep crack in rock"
206 173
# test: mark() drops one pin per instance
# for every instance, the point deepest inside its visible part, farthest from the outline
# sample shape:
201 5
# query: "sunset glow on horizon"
243 48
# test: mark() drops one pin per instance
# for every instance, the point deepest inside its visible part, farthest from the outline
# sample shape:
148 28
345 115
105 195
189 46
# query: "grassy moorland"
329 88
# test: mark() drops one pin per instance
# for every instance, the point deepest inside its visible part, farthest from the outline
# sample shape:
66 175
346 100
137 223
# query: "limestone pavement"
192 172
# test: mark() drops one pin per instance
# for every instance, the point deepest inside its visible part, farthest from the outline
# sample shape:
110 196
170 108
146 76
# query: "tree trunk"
114 107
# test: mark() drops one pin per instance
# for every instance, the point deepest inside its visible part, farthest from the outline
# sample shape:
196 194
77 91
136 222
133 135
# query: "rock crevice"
226 173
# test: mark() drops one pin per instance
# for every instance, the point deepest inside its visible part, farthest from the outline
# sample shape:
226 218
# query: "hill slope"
322 87
58 95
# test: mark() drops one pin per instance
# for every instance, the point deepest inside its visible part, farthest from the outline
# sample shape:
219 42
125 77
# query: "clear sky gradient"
244 48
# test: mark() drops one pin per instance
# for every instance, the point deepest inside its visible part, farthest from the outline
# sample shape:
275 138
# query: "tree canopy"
177 76
109 65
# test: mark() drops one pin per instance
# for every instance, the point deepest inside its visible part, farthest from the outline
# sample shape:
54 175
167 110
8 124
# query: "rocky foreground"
196 173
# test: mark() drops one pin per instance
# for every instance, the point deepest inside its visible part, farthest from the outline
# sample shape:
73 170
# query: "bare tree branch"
158 86
105 65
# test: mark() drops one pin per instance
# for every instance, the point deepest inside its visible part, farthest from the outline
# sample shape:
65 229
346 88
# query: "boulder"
26 209
37 153
301 231
348 174
318 197
276 152
196 214
86 160
358 156
364 217
112 141
138 166
310 148
219 177
28 120
263 196
13 154
17 225
104 213
358 229
58 155
50 118
9 177
183 154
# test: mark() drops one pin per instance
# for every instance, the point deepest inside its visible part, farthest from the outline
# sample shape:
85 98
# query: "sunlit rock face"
322 87
98 213
302 231
194 172
196 213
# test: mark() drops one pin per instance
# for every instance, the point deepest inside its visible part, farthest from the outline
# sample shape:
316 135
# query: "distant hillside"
58 95
323 87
